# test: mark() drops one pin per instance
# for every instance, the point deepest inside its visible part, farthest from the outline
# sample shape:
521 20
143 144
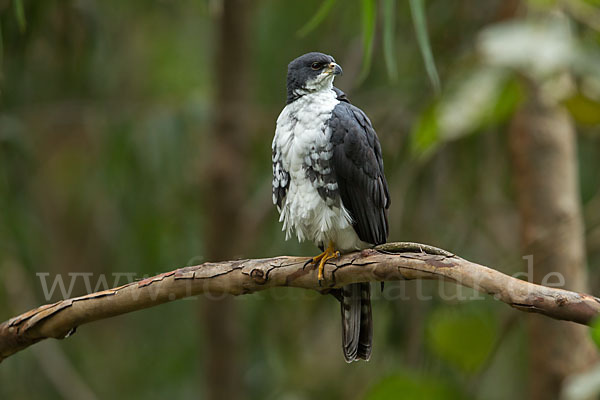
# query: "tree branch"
389 262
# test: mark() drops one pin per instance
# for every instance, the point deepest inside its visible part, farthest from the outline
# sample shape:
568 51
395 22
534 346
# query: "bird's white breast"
301 128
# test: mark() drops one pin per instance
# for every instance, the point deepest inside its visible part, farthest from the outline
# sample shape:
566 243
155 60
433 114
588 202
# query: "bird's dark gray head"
310 72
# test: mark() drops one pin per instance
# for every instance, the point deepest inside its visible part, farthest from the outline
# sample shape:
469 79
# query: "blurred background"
135 138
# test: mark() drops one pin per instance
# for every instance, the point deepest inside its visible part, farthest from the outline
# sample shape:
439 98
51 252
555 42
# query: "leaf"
417 9
20 15
464 338
409 385
506 103
585 110
368 31
317 18
595 331
425 133
389 47
480 98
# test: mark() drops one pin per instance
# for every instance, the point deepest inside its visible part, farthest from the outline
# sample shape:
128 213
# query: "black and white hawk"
328 182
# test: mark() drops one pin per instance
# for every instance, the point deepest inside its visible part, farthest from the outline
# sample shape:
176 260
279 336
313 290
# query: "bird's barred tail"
357 321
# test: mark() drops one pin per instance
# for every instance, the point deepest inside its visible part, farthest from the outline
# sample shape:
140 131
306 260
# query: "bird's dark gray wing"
358 167
281 178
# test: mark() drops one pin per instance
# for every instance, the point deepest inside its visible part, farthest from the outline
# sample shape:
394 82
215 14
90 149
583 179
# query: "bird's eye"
315 65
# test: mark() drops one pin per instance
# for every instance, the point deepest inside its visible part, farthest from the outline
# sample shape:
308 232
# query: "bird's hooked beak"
334 69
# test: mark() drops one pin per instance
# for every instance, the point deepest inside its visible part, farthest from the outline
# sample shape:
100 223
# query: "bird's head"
311 72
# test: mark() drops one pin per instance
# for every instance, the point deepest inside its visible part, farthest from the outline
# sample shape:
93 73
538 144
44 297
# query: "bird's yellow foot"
328 254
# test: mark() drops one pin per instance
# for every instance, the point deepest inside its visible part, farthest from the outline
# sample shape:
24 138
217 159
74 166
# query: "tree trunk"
543 147
225 194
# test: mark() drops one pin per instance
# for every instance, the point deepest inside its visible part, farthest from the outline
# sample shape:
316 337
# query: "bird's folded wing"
358 167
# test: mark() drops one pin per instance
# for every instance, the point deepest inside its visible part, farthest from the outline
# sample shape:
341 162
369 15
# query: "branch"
389 262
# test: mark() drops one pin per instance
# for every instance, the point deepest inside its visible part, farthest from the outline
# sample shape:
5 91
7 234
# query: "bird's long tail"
357 321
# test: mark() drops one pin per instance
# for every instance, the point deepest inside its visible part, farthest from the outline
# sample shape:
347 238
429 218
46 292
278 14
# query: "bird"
329 185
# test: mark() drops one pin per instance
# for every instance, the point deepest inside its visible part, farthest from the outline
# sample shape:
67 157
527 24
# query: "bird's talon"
321 260
310 261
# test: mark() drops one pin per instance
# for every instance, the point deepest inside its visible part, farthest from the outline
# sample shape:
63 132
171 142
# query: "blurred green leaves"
584 109
316 20
104 169
20 15
368 17
19 12
389 38
476 100
425 132
409 385
417 9
462 337
595 331
542 50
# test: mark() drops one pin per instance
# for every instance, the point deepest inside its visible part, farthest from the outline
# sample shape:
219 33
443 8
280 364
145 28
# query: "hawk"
328 183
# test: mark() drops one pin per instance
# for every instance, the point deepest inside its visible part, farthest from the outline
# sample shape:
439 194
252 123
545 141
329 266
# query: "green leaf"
425 133
20 15
389 46
417 9
585 110
595 331
317 18
368 31
409 385
507 102
472 102
480 98
463 338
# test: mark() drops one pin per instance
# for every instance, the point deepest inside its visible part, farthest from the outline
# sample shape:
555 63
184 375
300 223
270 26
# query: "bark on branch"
389 262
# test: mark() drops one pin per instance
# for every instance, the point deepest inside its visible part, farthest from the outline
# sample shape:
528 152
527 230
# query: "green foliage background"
105 119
